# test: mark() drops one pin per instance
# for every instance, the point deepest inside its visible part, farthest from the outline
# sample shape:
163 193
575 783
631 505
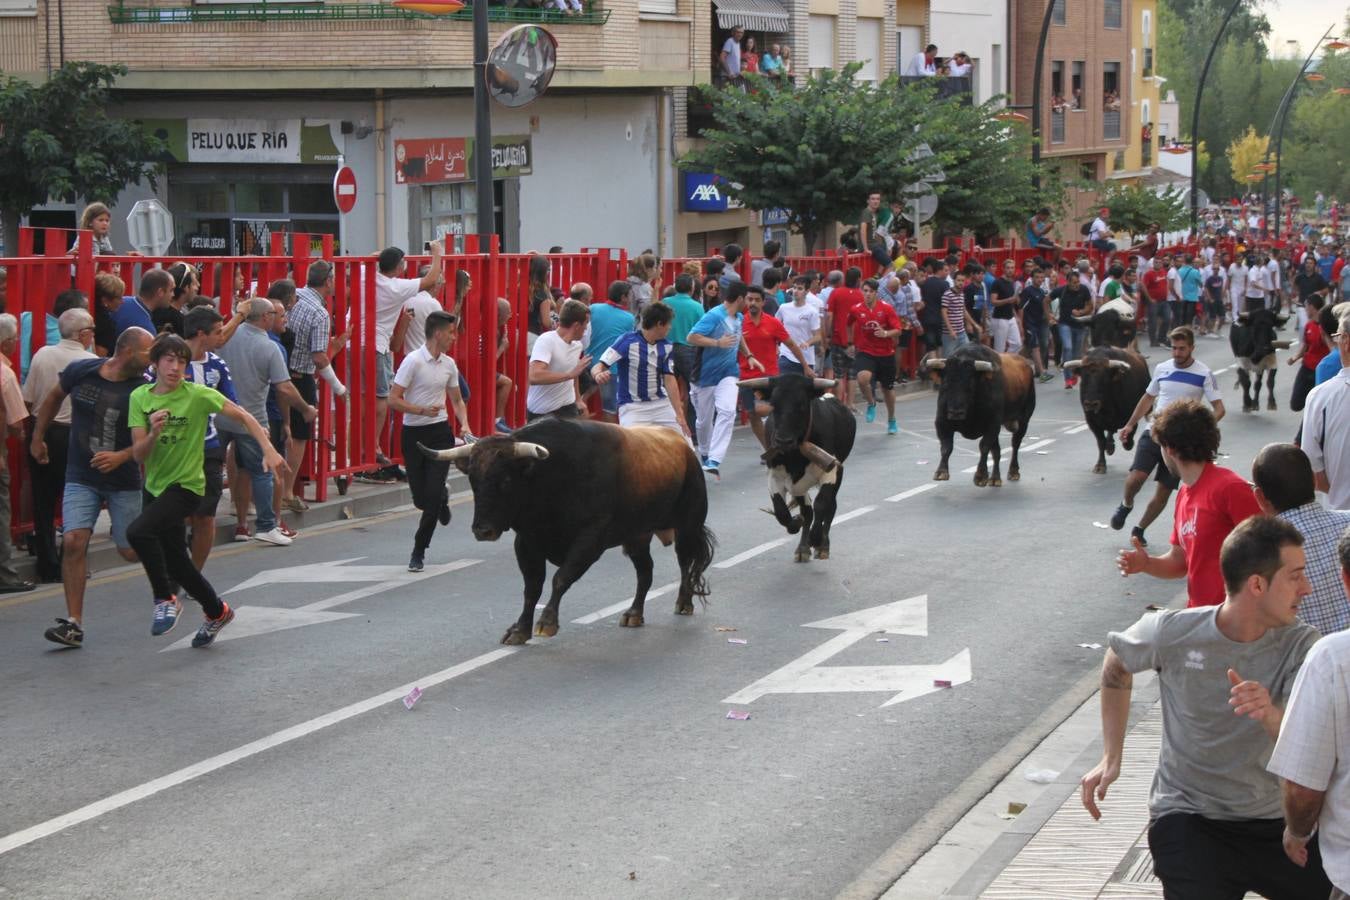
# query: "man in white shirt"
1326 426
1237 287
802 321
425 379
1258 284
392 290
555 363
924 63
422 304
1275 283
1099 232
49 479
1312 746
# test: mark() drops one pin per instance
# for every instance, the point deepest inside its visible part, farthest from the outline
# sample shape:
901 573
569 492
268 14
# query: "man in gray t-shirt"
257 363
1225 673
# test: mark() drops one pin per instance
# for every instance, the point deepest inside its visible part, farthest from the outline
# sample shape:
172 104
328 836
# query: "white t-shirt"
1314 747
1171 383
1099 230
390 295
1208 254
1173 283
1258 282
1273 274
425 382
818 301
959 70
919 66
560 356
422 306
801 323
1237 280
1326 435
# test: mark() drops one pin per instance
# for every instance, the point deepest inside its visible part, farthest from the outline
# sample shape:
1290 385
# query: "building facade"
258 104
1141 156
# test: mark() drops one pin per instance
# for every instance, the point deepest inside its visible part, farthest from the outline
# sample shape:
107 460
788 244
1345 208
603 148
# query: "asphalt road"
595 764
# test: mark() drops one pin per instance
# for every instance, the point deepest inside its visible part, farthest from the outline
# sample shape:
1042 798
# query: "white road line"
1027 449
1077 429
750 554
1221 371
591 618
207 766
912 492
853 514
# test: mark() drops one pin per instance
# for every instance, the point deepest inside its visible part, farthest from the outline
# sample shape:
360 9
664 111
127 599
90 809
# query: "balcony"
1111 125
947 88
122 14
1057 126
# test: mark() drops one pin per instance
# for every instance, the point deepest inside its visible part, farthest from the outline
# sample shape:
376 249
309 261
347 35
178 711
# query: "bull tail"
694 546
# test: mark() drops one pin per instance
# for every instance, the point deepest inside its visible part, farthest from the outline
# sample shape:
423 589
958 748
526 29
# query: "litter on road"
413 696
1041 776
723 628
738 715
1100 525
941 682
1091 646
737 641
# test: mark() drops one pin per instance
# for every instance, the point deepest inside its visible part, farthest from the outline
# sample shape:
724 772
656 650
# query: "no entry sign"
344 189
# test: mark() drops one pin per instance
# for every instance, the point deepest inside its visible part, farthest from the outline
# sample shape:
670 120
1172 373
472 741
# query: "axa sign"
703 192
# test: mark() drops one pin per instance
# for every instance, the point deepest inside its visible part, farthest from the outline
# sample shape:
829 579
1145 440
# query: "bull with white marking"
809 435
571 490
1111 381
1252 338
982 391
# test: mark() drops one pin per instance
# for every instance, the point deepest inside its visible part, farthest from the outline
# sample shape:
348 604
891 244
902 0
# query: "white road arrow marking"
251 621
806 675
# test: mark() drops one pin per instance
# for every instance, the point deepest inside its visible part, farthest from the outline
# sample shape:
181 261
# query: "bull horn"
459 452
1120 364
1282 345
822 384
935 364
983 365
536 451
818 456
755 384
1072 364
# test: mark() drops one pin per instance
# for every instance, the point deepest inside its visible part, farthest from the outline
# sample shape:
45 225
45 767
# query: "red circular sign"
344 189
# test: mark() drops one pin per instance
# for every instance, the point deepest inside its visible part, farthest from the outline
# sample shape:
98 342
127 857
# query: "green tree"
1316 133
818 149
1245 152
1135 207
58 142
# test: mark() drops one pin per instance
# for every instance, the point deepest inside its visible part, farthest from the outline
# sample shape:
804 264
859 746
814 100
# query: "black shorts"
840 360
1148 458
682 358
932 337
309 390
276 435
213 466
881 367
1207 859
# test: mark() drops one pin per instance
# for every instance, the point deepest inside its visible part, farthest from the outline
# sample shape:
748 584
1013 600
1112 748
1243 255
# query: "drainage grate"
1135 868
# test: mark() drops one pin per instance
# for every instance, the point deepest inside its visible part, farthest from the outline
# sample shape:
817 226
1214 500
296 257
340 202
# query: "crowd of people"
740 55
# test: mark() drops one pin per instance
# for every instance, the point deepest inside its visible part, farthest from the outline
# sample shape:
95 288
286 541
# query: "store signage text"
243 140
205 242
449 160
703 192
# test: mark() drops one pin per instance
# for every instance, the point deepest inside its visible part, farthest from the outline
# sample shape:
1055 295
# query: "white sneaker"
275 536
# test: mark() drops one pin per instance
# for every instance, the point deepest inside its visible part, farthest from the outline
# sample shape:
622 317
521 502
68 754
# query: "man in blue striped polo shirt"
644 382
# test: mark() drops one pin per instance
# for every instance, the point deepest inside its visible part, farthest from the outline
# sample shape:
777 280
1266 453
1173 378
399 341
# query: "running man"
873 328
424 380
719 335
168 422
1183 377
204 330
645 387
99 465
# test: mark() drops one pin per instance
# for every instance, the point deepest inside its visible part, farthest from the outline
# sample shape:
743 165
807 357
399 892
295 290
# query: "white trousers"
1007 336
715 407
649 412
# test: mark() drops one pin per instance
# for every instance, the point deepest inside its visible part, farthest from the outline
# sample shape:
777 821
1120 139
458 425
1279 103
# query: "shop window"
259 198
234 210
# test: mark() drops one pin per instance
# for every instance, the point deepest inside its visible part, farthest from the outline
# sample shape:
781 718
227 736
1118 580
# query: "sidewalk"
1053 848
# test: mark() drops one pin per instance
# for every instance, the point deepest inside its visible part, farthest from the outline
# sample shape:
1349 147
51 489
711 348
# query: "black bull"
808 436
571 490
1253 340
1111 383
981 392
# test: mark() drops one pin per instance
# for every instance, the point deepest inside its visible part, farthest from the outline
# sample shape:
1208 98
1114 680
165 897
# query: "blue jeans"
1071 340
950 343
249 457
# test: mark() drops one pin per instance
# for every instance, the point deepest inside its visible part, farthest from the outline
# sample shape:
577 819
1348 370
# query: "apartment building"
1086 87
258 102
1138 159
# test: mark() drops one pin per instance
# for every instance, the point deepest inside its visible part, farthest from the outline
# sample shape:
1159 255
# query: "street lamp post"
482 129
1281 115
1037 77
1195 113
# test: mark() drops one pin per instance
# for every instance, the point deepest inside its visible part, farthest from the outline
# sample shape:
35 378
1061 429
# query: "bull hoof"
822 553
981 479
1014 475
801 556
514 637
997 482
941 475
684 607
1099 469
1270 404
630 619
545 630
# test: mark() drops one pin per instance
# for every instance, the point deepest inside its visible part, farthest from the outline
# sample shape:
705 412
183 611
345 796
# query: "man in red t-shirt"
762 334
1211 503
1155 290
1313 351
874 326
838 308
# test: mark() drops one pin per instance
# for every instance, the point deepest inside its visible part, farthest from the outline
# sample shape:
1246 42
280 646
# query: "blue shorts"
384 373
80 505
790 367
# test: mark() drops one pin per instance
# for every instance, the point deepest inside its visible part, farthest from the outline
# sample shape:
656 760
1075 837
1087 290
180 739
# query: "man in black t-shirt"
1003 322
1032 304
1075 304
1309 281
931 290
99 466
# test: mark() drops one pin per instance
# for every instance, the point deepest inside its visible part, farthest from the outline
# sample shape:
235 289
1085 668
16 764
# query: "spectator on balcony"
771 63
787 62
923 64
750 56
731 57
568 7
960 66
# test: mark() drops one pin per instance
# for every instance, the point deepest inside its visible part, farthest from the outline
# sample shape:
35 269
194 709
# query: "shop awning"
752 15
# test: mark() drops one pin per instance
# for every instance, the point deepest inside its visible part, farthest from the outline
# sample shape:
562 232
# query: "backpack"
1086 229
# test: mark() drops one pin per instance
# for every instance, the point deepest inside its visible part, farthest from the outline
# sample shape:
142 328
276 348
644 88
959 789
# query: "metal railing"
122 14
1111 124
960 89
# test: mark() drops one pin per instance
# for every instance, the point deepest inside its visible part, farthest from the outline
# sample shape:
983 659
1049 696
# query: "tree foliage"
58 142
819 148
1245 152
1135 207
1317 133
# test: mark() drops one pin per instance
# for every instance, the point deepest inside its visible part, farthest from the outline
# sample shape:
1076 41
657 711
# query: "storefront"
442 198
